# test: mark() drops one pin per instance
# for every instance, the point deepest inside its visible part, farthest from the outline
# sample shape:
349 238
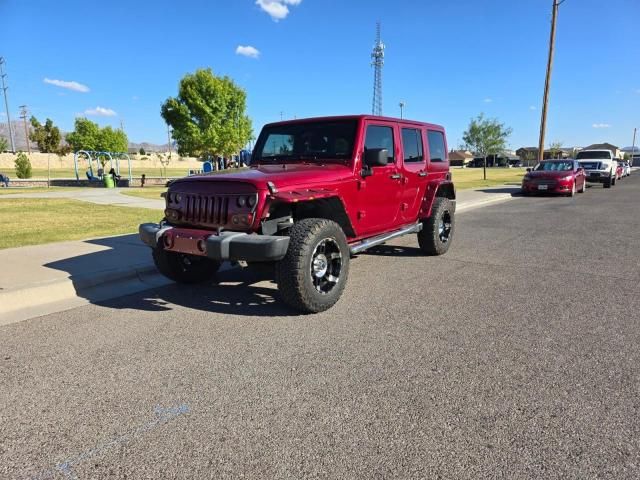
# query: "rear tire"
183 268
613 180
438 230
312 275
584 187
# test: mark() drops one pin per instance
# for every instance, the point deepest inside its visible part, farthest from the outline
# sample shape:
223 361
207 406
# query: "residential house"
460 158
605 146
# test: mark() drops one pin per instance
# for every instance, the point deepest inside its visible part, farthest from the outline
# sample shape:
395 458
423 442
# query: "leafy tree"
4 145
208 116
23 166
111 140
556 149
87 135
47 136
142 152
486 137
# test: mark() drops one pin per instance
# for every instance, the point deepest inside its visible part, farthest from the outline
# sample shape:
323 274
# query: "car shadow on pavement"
123 276
514 191
394 251
237 291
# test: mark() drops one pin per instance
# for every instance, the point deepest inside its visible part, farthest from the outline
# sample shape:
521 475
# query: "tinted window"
380 137
412 145
437 151
555 166
306 141
592 154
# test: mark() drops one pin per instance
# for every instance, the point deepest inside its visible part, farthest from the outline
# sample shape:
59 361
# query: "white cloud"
100 112
75 86
248 51
488 100
601 125
277 9
532 107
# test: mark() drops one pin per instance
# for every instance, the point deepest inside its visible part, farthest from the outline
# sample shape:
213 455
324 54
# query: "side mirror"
528 169
376 157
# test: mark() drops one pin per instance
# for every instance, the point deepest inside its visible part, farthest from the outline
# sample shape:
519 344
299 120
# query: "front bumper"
595 176
220 247
556 187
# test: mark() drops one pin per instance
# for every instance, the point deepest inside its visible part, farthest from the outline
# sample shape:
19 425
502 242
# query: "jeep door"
414 171
379 196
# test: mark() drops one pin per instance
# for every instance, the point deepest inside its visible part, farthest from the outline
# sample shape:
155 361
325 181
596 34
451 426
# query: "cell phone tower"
377 61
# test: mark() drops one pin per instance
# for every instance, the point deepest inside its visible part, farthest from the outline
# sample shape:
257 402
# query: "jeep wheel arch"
329 208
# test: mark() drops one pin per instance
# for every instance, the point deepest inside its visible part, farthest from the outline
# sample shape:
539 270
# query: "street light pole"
547 82
401 110
633 146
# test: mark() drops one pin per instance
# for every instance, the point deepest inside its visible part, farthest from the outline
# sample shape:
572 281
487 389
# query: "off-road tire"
183 268
430 238
294 273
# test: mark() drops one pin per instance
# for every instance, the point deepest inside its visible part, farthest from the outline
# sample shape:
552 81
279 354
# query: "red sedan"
555 176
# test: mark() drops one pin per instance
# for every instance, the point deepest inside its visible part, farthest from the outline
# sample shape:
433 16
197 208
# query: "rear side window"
380 137
437 151
412 145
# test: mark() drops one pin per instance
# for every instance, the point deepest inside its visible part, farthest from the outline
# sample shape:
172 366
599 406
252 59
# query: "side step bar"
385 237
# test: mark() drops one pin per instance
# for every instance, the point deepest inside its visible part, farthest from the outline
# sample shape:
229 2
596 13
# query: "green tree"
141 151
47 136
208 116
556 149
23 166
87 135
4 145
111 140
486 137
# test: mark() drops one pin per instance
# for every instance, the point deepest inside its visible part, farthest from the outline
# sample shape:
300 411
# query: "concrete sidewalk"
100 196
42 279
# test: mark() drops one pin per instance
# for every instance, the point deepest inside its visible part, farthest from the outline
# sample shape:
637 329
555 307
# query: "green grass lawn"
146 192
39 173
465 178
35 221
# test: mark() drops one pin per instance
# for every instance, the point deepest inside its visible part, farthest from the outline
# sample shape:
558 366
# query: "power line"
6 105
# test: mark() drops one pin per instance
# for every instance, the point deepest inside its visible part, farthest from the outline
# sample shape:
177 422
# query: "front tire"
183 268
312 275
438 230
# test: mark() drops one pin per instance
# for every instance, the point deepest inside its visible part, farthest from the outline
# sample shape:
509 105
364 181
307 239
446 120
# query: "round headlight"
242 201
252 200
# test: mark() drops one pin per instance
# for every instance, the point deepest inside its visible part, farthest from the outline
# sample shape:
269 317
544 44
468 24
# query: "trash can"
108 181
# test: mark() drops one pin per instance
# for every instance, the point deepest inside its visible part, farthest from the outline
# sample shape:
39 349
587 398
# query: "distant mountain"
19 136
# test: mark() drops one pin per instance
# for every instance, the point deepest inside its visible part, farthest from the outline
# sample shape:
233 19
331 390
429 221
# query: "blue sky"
448 60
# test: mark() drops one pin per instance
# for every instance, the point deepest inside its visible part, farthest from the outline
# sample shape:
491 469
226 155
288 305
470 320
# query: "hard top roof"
358 117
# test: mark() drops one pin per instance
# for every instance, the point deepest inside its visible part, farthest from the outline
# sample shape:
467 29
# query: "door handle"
422 174
395 176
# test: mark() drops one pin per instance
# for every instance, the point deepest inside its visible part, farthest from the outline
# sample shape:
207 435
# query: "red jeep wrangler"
318 192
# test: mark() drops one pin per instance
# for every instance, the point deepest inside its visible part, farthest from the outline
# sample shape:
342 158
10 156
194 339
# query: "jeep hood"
282 176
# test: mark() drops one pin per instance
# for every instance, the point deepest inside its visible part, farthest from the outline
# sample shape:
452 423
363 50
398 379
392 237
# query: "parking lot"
515 355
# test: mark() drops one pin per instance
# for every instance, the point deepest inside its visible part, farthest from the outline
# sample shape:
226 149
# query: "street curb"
90 287
485 203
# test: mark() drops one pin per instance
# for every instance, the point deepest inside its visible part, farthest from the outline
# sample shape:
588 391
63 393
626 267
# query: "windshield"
306 141
593 154
554 167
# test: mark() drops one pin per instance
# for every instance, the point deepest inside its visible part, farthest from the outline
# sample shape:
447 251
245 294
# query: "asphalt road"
514 356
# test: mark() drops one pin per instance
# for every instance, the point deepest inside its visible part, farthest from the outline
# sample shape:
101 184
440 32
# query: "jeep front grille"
206 209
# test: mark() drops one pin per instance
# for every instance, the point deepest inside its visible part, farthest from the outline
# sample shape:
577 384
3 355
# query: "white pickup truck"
600 166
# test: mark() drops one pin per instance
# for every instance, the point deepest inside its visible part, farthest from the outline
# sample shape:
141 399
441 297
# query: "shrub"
23 166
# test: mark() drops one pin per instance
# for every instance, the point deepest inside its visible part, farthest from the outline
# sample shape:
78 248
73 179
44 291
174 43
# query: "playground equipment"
99 163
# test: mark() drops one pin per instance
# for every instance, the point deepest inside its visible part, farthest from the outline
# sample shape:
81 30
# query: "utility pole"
6 105
401 109
547 82
633 146
23 115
